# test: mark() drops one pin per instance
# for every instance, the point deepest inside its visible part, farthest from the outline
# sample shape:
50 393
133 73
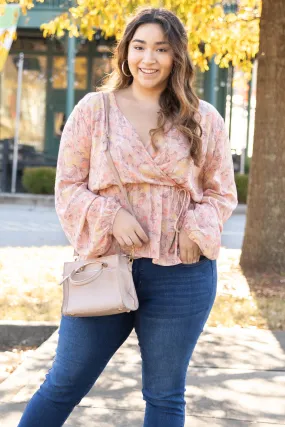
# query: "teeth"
148 71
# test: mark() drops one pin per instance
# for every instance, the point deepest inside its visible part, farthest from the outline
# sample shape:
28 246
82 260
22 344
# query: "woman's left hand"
189 250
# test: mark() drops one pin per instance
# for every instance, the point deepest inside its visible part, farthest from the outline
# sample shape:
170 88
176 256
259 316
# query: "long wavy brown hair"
178 102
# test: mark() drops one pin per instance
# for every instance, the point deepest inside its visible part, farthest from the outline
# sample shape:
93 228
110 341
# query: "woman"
174 158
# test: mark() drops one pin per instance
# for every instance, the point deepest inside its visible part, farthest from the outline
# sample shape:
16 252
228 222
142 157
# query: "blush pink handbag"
104 285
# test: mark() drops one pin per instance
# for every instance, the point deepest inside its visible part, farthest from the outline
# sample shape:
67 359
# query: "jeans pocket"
201 261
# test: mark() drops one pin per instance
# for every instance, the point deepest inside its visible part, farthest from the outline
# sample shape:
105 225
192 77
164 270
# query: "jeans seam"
213 288
139 272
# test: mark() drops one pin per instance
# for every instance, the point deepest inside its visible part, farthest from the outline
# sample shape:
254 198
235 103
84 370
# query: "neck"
144 94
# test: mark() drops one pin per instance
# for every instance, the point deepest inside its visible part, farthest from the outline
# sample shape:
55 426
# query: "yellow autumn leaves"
228 37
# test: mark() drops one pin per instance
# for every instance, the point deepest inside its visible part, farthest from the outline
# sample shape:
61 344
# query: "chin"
148 84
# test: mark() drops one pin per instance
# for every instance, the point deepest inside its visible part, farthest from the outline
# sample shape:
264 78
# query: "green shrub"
242 187
39 180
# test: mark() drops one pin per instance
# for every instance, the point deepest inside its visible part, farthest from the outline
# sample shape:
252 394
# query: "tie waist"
184 198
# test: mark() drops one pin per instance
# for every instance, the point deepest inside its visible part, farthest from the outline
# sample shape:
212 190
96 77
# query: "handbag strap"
106 146
108 154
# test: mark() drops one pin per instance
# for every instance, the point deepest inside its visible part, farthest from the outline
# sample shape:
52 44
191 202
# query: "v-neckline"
152 160
131 125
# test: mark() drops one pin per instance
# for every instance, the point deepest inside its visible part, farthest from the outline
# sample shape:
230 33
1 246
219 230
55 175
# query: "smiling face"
150 57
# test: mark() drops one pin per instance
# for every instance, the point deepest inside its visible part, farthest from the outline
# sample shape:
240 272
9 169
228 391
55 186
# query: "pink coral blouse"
166 190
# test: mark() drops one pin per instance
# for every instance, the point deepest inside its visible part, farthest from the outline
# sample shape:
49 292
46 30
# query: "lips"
148 71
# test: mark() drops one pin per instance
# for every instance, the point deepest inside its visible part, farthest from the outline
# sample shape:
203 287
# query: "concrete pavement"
236 378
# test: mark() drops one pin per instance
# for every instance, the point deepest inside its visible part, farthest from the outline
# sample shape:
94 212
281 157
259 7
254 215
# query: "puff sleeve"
204 221
86 218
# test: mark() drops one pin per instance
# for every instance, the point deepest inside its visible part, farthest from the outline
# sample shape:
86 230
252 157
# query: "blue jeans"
175 302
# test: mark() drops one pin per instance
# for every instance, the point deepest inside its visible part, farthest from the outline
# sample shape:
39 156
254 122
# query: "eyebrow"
143 42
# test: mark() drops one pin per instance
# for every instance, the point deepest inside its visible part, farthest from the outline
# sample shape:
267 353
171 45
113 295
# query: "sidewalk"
236 379
48 201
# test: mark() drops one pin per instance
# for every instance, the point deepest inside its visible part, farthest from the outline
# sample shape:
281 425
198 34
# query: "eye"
138 47
162 50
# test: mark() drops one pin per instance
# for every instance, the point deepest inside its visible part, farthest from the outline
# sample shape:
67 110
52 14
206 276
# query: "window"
59 73
29 44
33 100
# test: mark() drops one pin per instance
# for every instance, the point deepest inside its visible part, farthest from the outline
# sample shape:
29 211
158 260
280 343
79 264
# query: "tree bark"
264 242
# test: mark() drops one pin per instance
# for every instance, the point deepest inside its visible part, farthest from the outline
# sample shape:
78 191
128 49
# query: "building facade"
45 84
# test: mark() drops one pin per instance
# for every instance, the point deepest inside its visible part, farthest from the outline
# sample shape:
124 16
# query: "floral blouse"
166 190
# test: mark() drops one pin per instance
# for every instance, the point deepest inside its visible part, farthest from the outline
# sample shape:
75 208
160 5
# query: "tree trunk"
264 242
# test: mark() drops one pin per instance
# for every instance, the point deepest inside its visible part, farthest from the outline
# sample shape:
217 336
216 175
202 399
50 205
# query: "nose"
149 57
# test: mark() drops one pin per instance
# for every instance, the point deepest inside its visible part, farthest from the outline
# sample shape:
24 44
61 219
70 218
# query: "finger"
120 241
183 256
198 254
128 241
140 232
137 242
190 257
194 257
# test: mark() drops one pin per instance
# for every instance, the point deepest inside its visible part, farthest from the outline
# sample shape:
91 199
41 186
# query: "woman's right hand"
127 230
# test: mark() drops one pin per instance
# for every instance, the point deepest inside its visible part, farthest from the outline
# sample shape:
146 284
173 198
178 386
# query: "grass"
29 278
29 290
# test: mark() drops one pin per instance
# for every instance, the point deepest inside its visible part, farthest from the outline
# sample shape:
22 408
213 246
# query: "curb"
30 333
41 358
27 199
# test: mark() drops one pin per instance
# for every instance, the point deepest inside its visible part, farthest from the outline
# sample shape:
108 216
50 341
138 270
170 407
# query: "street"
39 226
